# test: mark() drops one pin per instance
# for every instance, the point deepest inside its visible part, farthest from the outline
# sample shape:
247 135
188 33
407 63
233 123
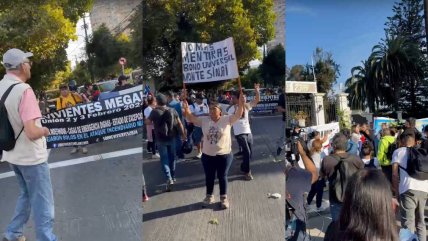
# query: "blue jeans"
245 142
281 141
36 192
178 143
335 210
167 158
219 165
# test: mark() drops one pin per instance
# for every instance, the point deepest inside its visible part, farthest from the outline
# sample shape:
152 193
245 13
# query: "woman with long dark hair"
367 213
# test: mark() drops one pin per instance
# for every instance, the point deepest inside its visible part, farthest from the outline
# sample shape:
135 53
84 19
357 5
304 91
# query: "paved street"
95 200
252 215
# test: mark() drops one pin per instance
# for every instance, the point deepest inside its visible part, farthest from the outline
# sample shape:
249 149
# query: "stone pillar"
343 107
319 108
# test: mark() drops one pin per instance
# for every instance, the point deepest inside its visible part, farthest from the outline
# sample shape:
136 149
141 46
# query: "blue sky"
347 28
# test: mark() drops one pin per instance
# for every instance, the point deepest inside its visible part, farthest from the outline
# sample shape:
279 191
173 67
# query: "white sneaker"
156 155
74 150
199 155
84 150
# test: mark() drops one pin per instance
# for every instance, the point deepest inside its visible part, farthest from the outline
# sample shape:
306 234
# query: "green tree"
80 73
44 28
252 77
272 69
168 23
136 38
395 64
362 89
297 73
105 50
326 70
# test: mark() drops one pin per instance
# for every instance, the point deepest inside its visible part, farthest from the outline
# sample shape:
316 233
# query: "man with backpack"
69 99
173 103
410 186
387 146
167 126
338 168
23 142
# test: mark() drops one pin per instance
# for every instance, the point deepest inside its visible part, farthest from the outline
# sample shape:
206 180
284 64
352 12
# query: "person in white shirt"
198 109
317 188
411 193
242 130
151 143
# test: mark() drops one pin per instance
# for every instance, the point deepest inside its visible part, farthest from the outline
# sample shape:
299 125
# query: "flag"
146 89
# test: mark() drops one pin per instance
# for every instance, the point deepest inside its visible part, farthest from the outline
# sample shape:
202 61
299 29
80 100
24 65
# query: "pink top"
28 108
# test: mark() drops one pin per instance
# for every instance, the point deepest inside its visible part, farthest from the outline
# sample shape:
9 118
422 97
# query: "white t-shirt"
367 161
199 110
147 111
217 136
400 156
316 157
242 126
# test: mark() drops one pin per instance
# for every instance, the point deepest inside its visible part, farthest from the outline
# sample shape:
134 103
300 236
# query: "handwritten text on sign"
209 62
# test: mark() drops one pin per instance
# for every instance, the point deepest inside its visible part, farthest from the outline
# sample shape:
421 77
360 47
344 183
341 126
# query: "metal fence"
294 104
330 110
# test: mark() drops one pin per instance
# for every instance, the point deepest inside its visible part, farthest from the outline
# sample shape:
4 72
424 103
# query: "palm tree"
360 96
395 64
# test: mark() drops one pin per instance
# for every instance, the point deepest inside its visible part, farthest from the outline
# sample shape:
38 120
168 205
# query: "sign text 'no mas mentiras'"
209 62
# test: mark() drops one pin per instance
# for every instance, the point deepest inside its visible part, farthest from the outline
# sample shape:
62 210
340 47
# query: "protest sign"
267 103
203 62
378 121
421 123
107 119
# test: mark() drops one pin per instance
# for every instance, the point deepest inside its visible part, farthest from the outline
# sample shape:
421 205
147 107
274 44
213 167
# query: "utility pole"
85 26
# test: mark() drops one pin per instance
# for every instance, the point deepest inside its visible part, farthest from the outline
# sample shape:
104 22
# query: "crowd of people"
179 124
372 177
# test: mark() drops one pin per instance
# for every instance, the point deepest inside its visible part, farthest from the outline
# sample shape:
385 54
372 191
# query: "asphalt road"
96 199
252 216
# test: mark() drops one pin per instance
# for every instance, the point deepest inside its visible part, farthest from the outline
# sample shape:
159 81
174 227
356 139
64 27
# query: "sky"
347 28
76 49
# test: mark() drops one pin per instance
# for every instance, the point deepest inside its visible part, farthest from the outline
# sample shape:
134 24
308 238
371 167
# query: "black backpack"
417 163
342 172
391 148
166 125
7 134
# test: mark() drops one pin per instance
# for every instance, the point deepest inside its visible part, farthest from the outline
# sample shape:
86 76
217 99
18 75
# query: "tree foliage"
44 28
272 69
105 50
325 68
395 74
168 23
